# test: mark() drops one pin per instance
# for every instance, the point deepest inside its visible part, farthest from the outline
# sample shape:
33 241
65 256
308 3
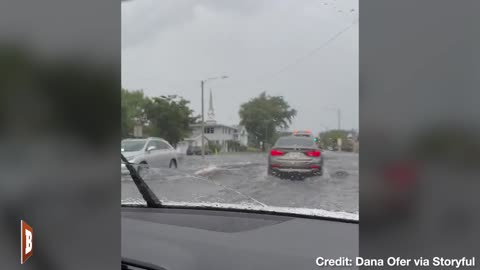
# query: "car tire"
173 164
269 170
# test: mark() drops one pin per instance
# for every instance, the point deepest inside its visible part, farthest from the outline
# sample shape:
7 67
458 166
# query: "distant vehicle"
197 150
149 152
302 133
295 154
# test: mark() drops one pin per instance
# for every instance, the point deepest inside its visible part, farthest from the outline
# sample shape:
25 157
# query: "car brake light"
313 153
402 175
275 152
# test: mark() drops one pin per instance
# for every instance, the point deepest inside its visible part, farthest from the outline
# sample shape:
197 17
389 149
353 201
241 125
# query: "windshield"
133 145
223 83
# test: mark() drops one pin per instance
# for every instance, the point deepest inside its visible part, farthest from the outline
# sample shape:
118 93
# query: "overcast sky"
306 51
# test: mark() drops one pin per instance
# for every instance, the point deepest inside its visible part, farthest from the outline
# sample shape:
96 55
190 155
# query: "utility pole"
266 138
339 118
203 125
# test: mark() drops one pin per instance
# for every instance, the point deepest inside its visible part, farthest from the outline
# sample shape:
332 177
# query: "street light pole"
339 119
203 124
266 138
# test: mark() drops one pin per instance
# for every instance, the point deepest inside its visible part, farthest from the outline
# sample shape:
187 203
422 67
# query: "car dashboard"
173 238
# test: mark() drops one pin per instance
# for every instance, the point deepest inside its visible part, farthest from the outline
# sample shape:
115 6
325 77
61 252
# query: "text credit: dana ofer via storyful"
397 262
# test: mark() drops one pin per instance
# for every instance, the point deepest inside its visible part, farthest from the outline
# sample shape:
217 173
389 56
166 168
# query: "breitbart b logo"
26 241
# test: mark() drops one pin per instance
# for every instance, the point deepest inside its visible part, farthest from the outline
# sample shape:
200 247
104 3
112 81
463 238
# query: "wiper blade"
139 264
143 188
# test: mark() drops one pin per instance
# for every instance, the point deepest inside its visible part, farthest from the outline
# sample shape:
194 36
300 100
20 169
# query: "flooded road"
241 178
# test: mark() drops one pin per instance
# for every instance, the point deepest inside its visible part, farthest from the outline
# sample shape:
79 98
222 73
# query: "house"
241 135
218 134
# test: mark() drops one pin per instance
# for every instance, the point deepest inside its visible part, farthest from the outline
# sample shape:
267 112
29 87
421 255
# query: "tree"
329 139
132 109
170 118
262 115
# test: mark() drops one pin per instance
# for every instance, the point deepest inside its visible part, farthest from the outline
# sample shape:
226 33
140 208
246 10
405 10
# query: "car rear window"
303 135
295 141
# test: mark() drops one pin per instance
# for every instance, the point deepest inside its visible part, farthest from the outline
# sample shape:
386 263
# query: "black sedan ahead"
295 155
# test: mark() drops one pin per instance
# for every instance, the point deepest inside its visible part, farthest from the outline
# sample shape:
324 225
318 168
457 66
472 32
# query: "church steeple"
211 112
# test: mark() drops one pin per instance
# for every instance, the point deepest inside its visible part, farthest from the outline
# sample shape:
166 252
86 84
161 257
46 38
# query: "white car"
148 153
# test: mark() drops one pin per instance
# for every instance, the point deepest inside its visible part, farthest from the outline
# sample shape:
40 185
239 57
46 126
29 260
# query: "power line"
312 52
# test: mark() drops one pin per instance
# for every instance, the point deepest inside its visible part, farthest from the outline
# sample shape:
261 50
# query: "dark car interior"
169 238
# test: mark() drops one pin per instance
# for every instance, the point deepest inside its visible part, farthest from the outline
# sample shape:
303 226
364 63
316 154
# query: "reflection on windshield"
133 145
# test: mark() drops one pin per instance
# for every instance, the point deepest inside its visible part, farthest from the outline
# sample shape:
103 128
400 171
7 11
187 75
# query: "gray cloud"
143 20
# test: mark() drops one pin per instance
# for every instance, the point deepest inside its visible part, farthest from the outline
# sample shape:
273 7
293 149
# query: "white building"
241 135
217 133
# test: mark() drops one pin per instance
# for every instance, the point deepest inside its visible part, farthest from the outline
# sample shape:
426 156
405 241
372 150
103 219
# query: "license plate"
295 155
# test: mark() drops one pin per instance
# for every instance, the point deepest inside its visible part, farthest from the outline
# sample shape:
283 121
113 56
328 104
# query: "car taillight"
275 152
402 175
313 153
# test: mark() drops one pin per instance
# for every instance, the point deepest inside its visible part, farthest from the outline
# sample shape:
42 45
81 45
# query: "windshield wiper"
143 188
127 264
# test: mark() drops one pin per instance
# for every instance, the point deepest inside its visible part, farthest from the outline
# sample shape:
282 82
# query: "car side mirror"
150 148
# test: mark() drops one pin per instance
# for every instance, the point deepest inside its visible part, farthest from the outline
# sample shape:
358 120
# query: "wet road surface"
242 178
